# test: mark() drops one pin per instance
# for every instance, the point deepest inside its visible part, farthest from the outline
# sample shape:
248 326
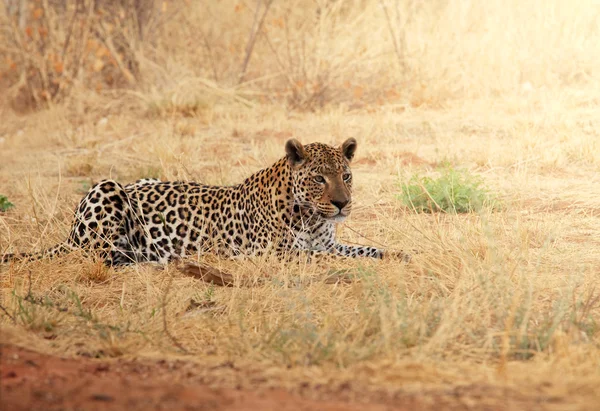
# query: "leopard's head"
321 176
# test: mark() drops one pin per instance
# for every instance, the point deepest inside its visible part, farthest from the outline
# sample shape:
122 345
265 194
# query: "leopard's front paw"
399 255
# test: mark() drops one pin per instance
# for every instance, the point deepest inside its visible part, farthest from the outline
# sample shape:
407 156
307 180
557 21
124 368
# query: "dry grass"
507 90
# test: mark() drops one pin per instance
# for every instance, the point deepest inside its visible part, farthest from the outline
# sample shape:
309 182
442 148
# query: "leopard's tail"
51 252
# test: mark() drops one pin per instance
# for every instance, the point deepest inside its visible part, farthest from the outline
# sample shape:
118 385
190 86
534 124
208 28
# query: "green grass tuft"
5 204
454 191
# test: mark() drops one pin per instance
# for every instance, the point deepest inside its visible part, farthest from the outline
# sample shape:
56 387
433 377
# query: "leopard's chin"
337 218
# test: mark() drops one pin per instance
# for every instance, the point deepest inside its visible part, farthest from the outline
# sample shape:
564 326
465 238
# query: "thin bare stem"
399 50
166 330
256 28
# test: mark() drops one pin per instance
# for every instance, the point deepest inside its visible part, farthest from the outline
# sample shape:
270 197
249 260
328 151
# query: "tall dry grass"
506 89
304 54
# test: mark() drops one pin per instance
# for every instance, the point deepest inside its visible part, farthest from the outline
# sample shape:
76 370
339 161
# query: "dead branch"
207 274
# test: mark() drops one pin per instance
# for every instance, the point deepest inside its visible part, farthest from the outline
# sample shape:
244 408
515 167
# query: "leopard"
290 208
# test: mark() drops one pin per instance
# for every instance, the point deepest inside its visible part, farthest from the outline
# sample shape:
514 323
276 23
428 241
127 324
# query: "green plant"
5 204
454 191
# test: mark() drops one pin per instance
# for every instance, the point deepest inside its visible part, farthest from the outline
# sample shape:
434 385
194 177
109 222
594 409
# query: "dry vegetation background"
209 91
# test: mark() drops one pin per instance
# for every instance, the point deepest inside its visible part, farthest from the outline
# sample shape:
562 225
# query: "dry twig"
173 339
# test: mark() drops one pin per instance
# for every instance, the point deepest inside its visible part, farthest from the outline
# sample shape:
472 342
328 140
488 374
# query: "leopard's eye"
319 179
346 176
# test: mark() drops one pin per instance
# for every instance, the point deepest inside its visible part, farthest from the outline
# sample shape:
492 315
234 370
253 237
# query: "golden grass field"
509 299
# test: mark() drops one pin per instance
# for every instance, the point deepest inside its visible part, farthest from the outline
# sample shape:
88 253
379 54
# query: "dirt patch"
544 206
34 381
406 158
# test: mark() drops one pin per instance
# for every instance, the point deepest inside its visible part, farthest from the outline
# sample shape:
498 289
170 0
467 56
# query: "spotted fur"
288 208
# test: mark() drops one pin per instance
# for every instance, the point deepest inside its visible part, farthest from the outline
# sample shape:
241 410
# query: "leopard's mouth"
326 213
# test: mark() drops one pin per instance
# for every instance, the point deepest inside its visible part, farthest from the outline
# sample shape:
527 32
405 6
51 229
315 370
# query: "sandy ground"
33 381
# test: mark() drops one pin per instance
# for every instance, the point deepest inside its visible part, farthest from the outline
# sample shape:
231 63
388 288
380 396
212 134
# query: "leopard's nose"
340 204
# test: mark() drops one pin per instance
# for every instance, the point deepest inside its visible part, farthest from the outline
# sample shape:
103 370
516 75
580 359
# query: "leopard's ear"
349 148
296 154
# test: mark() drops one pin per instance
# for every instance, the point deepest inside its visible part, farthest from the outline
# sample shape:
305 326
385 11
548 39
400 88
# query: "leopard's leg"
354 251
328 247
148 230
101 223
325 241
